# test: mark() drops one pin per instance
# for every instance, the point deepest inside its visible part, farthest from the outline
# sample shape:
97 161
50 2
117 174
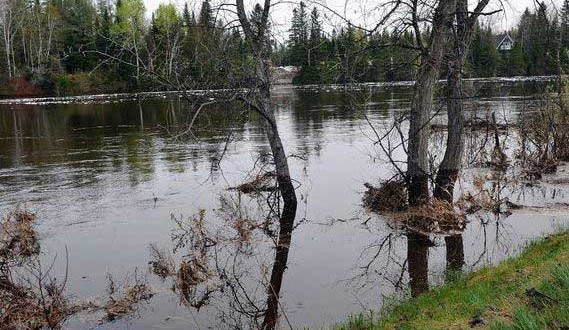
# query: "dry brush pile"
32 298
434 216
29 298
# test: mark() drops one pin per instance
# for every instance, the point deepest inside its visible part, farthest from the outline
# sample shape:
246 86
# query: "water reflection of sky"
104 178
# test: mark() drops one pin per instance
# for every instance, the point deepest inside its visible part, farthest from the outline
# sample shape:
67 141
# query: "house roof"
500 38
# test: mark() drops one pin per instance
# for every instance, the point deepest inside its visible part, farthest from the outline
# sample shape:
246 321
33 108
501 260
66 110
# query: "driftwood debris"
390 196
260 183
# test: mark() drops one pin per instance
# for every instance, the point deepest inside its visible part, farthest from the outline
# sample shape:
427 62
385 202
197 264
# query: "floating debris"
262 182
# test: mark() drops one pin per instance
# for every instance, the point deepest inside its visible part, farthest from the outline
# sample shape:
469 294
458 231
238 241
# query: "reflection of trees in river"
418 259
222 265
135 135
418 262
400 260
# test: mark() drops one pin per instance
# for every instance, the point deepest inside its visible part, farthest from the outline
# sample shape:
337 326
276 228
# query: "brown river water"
104 175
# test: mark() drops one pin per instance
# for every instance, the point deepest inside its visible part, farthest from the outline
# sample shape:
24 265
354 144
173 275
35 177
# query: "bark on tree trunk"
261 49
451 164
422 101
286 188
452 160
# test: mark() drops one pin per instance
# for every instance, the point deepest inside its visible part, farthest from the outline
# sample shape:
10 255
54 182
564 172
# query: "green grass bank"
527 292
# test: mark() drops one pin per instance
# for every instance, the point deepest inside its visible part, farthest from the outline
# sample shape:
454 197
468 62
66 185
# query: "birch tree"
8 30
129 29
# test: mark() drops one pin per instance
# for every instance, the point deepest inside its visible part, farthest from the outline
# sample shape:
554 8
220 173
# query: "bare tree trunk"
452 161
286 220
421 104
286 188
451 164
7 49
7 33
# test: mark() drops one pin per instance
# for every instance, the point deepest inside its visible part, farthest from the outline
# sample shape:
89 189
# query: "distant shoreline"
7 100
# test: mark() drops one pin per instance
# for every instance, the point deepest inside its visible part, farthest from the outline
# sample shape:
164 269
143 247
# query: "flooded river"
108 179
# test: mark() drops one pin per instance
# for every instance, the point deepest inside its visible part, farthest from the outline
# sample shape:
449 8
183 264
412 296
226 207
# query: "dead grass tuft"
126 303
191 282
487 198
236 215
534 169
18 238
192 278
161 263
391 196
476 125
26 307
435 217
29 297
262 182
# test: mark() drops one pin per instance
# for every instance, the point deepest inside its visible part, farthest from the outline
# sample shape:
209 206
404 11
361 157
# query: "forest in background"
70 47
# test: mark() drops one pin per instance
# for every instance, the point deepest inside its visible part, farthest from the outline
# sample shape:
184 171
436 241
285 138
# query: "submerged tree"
432 54
257 41
451 164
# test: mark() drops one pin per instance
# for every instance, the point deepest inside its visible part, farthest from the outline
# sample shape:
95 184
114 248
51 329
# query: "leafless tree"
8 26
451 164
431 60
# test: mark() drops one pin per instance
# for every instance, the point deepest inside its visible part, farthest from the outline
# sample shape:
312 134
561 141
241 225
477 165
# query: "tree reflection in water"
399 259
223 266
418 259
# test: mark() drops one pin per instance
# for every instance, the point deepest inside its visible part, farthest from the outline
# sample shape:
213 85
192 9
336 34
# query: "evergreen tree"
77 34
310 73
564 30
206 15
483 59
298 39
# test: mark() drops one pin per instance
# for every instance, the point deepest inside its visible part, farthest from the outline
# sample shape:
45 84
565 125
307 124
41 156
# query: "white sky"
359 11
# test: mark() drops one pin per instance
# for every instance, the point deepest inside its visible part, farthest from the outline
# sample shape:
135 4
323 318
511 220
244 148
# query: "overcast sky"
358 11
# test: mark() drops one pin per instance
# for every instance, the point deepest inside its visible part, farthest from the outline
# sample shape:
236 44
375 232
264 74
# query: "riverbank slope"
530 291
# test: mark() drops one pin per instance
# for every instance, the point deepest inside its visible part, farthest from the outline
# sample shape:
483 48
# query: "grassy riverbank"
527 292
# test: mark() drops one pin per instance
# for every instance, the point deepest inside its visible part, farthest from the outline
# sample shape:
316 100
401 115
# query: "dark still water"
106 175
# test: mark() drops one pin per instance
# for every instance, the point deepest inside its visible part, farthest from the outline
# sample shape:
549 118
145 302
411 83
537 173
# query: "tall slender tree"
431 60
256 41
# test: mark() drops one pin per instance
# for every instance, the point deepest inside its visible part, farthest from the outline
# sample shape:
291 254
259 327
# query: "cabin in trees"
504 42
283 75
